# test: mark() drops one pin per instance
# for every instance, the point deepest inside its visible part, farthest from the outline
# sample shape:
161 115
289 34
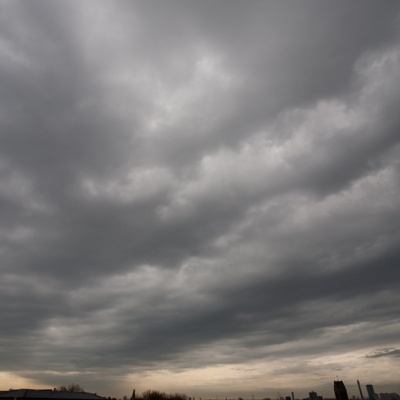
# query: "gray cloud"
390 352
188 187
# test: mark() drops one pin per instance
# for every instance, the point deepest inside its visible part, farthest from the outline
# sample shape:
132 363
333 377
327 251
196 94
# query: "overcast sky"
200 196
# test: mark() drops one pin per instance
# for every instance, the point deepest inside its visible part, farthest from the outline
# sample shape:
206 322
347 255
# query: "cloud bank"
199 196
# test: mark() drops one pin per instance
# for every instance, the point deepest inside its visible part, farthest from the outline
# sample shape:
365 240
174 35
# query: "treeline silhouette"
156 395
71 388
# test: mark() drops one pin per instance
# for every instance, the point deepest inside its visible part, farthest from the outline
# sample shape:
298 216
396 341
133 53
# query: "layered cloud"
199 196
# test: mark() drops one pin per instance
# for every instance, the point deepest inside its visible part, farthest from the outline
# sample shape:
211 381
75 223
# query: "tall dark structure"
371 392
340 390
359 388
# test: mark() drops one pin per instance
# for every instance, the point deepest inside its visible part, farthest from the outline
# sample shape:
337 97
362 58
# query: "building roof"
46 394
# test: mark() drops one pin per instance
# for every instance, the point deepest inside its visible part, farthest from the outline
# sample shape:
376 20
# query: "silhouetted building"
340 390
47 394
371 392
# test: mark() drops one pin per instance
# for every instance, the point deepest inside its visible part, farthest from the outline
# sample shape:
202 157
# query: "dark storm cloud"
191 184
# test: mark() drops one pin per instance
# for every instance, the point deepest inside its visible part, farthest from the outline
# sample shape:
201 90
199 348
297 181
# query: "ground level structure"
47 394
